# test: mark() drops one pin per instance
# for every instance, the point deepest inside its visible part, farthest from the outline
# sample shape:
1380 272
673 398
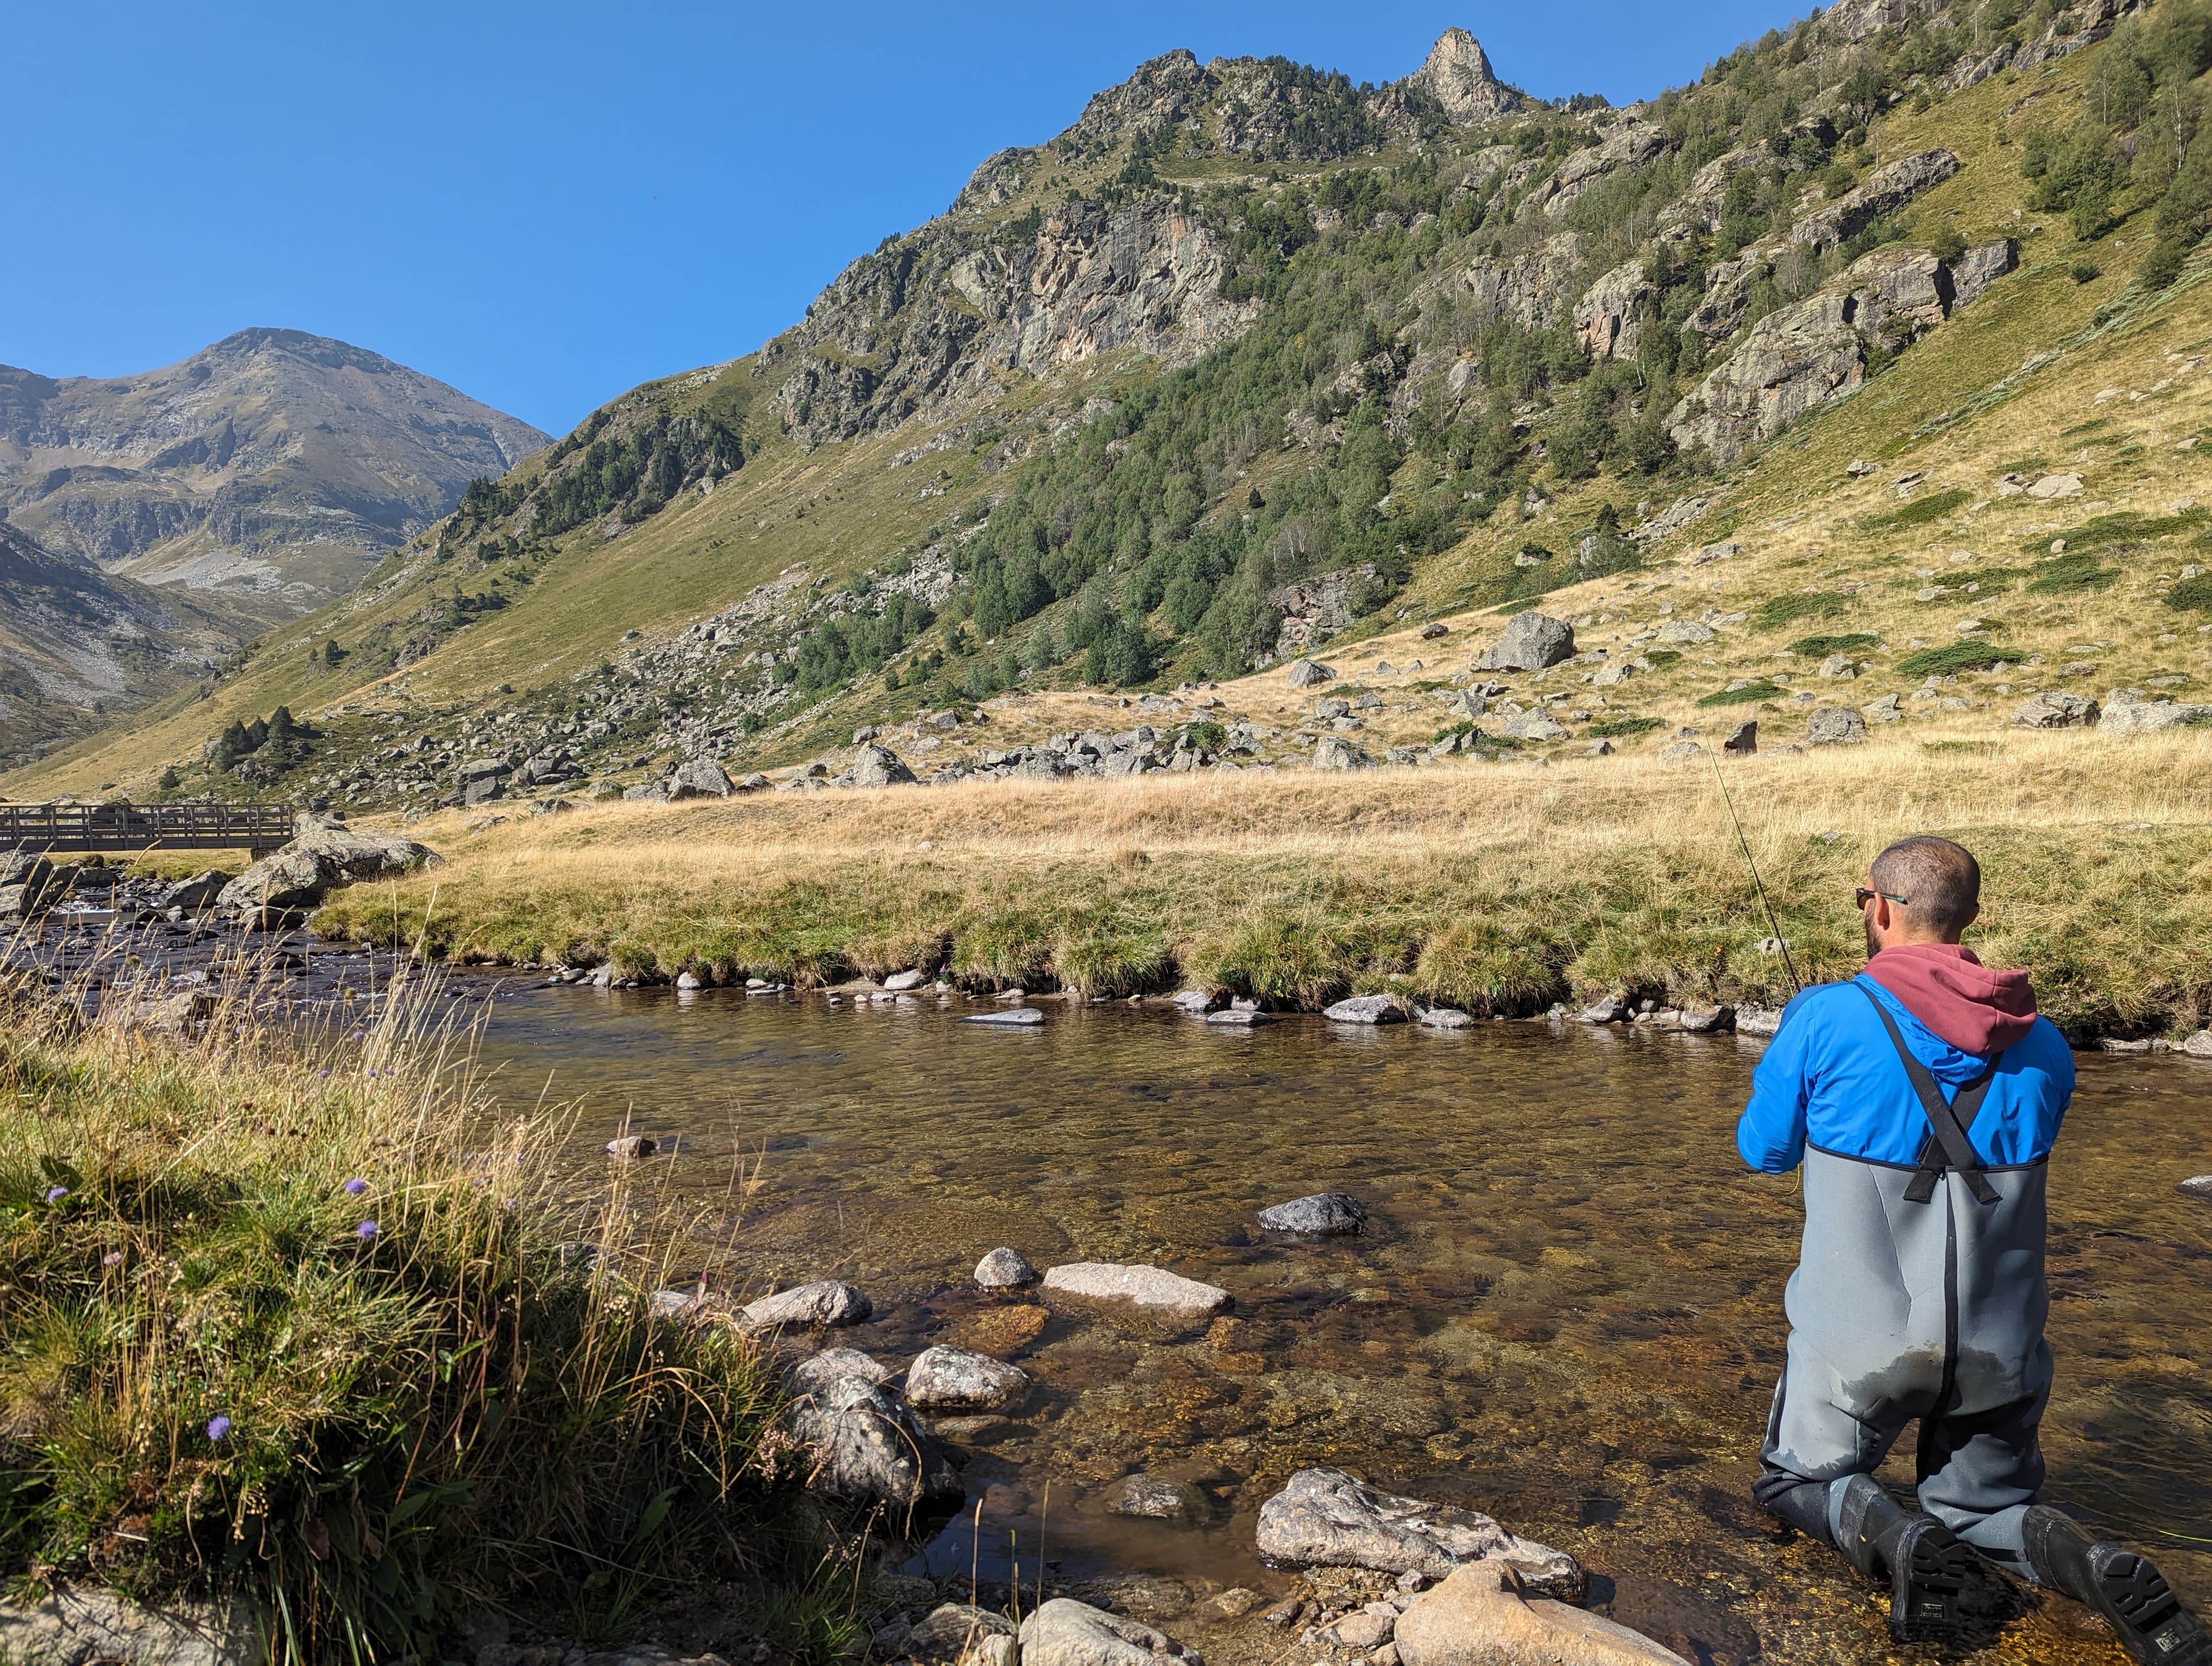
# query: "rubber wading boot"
1929 1571
2119 1584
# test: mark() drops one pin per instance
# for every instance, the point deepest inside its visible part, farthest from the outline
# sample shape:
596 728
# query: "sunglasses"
1865 897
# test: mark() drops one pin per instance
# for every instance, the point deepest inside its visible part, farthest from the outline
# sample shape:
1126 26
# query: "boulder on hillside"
2149 716
1308 673
699 778
319 860
1532 641
879 766
2051 709
1794 359
1884 191
1835 726
1982 266
1334 752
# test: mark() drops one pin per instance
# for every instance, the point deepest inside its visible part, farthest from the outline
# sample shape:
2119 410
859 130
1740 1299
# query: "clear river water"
1565 1310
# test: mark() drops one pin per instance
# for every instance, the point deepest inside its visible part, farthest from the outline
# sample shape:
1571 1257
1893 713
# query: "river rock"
909 979
1005 1269
1308 673
879 766
1532 641
632 1146
1198 1002
2198 1045
1708 1020
1835 726
834 1365
1606 1009
2051 709
1067 1632
1755 1020
868 1445
825 1302
192 895
1364 1009
953 1631
1363 1629
1476 1617
1157 1498
299 874
1324 1215
950 1379
1241 1018
1327 1518
1444 1017
699 778
1016 1017
1149 1288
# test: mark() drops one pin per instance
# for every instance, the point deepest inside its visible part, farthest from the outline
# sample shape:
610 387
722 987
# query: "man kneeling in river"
1923 1097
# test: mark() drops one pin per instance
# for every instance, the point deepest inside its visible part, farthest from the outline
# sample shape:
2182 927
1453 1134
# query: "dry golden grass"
1494 886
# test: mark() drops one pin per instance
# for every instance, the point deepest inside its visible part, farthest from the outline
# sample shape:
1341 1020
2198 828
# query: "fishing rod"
1797 983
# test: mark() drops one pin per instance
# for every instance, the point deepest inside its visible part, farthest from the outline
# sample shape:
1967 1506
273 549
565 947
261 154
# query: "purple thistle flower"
218 1426
372 1074
56 1194
358 1035
356 1187
365 1230
325 1074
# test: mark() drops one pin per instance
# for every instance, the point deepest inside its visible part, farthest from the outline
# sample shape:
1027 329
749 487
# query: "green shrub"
2066 575
1920 511
1776 612
2085 271
2192 595
1820 648
1958 656
1612 728
1757 689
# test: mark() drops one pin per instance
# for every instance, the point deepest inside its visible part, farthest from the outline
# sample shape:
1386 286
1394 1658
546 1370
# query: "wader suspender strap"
1947 1145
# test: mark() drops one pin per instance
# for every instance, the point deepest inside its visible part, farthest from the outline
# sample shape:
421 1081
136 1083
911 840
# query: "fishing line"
1797 983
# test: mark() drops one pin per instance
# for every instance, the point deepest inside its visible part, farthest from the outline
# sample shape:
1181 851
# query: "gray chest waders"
1919 1294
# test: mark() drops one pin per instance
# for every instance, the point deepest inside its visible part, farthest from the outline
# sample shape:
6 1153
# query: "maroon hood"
1942 984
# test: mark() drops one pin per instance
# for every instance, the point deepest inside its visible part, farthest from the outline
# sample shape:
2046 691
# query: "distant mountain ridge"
271 469
151 524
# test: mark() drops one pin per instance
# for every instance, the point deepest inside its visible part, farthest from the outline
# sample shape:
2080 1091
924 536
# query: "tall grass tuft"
292 1328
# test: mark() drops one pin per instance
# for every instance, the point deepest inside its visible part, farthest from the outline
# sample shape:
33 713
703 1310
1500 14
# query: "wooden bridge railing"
68 828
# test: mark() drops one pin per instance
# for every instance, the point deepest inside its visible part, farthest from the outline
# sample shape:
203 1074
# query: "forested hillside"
1250 361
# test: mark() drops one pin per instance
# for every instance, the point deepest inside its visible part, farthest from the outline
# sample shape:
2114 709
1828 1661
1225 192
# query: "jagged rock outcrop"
1608 317
931 319
1803 355
1457 75
1629 144
1884 191
1538 288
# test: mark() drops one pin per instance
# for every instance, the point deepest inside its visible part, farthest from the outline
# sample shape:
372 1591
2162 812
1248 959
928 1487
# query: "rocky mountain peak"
1458 74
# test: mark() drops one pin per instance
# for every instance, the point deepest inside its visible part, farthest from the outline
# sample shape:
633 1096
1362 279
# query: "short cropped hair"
1940 882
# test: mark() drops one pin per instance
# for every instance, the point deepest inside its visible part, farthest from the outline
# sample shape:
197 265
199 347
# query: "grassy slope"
1496 887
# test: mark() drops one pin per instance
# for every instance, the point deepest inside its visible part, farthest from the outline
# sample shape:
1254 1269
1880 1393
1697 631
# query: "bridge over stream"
57 829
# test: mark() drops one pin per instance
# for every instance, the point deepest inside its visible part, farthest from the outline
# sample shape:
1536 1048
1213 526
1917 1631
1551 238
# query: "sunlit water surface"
1565 1310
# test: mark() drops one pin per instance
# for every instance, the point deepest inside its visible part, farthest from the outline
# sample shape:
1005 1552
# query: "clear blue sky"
544 205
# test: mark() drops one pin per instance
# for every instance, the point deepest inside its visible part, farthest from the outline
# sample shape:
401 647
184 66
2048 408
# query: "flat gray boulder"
1327 1518
825 1302
868 1445
2051 709
1835 726
699 778
1067 1632
1532 641
1325 1214
950 1379
1009 1018
1444 1017
1149 1287
1364 1009
318 861
73 1628
1005 1269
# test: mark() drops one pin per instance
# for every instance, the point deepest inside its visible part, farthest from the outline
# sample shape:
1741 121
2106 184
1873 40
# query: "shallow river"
1565 1310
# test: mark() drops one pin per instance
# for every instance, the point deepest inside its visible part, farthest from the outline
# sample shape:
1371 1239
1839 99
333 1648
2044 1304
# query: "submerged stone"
952 1379
1327 1518
1325 1214
1005 1269
1150 1287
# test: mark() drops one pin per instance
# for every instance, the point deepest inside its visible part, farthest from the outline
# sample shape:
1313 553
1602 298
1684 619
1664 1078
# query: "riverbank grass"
1498 888
294 1331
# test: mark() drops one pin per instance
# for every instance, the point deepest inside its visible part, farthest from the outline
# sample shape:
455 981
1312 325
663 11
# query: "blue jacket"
1832 1079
